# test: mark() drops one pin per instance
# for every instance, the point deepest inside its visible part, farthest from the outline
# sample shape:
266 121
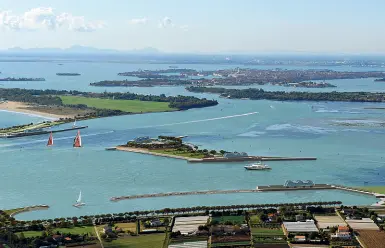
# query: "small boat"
78 140
257 166
50 140
79 202
74 125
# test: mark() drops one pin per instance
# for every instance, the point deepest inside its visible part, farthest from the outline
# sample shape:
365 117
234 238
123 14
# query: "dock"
258 189
24 134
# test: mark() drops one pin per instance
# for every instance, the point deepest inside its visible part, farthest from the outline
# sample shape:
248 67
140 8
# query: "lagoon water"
33 174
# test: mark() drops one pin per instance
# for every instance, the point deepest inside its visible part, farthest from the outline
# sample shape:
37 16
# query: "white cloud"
46 18
166 22
184 27
137 21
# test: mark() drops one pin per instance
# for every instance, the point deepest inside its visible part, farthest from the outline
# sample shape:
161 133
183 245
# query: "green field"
75 230
236 220
376 189
142 241
134 106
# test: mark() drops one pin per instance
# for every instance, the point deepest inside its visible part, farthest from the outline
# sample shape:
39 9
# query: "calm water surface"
32 174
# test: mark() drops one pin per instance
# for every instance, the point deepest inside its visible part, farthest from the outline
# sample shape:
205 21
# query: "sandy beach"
22 108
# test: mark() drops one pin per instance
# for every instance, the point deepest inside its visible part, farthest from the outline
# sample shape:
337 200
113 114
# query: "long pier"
259 189
23 134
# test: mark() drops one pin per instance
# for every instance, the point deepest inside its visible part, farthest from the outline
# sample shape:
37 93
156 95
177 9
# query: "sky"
205 26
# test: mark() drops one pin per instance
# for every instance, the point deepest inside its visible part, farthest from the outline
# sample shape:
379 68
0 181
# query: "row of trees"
260 94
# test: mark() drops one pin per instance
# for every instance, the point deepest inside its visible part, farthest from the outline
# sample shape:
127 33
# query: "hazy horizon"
172 26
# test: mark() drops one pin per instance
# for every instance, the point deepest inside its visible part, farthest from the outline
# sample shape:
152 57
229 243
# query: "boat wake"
203 120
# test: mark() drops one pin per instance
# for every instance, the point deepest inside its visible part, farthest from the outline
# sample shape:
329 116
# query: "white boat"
79 202
257 166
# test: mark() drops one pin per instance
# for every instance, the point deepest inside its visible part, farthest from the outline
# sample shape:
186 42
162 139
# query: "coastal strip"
16 211
259 189
211 159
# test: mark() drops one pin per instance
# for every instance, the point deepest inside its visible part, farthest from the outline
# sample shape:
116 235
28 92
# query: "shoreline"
20 108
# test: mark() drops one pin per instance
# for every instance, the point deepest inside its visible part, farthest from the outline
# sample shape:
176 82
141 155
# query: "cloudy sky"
347 26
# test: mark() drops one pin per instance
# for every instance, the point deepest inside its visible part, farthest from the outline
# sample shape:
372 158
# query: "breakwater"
16 135
28 209
203 192
214 159
258 189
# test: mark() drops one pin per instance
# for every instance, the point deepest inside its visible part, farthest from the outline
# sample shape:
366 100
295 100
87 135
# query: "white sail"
74 125
80 198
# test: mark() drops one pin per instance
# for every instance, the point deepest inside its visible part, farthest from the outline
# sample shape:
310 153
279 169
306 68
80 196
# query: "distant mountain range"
80 49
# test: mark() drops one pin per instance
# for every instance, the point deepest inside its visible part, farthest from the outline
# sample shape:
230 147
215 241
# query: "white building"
235 154
298 183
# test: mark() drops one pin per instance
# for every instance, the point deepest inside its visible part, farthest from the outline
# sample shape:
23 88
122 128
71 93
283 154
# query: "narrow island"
67 74
235 77
380 80
12 79
260 94
65 106
174 147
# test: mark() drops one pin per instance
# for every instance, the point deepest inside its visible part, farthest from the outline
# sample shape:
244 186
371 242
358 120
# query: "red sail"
50 140
78 140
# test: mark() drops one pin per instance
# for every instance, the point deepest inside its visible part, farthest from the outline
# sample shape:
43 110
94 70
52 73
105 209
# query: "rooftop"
308 226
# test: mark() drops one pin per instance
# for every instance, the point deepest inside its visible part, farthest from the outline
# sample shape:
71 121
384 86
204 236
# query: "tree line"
260 94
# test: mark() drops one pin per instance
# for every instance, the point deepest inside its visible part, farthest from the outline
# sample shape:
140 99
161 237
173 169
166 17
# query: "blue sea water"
33 174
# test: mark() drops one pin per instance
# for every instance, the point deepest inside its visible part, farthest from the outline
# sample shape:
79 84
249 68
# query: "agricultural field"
372 239
141 241
130 226
268 235
133 106
236 220
324 221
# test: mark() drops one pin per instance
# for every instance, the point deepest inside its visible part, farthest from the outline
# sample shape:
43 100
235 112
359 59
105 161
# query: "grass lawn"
30 234
134 106
236 220
76 230
178 153
376 189
142 241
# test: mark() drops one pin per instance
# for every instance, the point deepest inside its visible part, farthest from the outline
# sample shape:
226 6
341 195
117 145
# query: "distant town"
233 77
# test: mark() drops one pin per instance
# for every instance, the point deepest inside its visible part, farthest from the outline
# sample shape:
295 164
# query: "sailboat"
78 140
79 202
74 125
50 140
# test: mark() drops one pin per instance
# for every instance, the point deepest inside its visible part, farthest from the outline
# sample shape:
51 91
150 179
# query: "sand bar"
22 108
